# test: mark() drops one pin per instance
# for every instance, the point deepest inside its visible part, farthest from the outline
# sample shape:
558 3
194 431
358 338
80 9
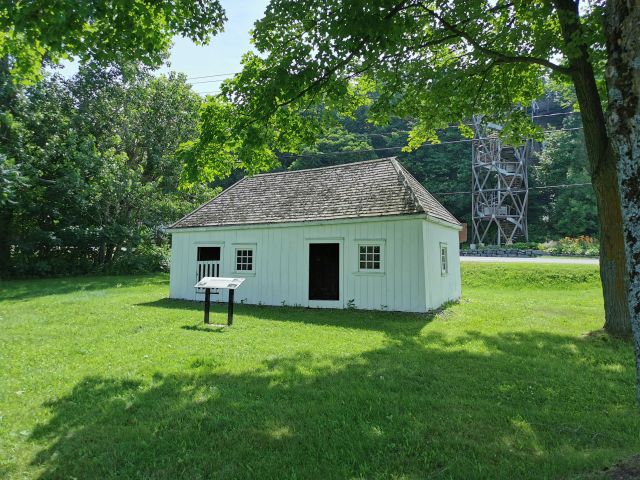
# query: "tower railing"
500 187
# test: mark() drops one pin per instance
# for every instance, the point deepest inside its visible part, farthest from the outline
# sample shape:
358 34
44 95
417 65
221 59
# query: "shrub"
143 259
582 245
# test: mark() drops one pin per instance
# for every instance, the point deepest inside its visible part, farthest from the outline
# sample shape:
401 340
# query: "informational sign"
217 283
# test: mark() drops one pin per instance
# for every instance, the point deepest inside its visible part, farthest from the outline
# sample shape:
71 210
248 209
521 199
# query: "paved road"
570 260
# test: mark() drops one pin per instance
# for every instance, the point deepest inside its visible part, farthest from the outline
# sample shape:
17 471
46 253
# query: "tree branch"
499 57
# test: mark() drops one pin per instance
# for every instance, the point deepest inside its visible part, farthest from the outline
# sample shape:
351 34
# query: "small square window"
369 257
244 260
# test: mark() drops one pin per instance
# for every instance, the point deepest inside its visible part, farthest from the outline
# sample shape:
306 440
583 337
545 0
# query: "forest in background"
445 169
89 177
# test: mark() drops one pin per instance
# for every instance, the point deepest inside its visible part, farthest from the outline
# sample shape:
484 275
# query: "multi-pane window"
369 257
244 260
444 259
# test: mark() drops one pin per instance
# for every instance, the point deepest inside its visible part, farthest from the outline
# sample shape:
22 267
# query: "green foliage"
99 153
11 179
99 31
445 169
524 245
435 63
360 66
566 211
105 377
582 245
146 257
336 139
228 140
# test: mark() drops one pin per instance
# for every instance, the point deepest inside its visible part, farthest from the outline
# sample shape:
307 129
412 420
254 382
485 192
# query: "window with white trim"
444 259
244 260
369 257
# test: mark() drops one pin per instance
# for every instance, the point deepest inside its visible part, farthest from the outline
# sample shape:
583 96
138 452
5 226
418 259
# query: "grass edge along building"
366 235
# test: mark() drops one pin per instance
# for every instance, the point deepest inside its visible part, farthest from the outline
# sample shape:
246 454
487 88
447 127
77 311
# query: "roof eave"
444 223
418 215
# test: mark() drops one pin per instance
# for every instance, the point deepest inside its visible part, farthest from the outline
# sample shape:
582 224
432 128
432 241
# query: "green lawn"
105 377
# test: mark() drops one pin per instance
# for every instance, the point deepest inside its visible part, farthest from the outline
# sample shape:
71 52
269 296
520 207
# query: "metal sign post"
219 283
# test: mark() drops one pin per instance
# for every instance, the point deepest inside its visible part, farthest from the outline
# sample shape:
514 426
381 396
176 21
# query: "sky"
223 54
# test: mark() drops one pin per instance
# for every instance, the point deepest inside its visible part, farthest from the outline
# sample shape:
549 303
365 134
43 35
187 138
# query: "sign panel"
219 282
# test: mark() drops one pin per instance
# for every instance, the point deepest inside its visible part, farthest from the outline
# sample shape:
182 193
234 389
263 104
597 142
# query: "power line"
541 187
556 114
382 149
466 124
457 126
213 76
562 185
208 81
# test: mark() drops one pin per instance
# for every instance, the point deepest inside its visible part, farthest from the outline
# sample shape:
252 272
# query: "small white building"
364 235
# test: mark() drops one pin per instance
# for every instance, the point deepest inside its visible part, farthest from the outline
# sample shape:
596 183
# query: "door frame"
341 261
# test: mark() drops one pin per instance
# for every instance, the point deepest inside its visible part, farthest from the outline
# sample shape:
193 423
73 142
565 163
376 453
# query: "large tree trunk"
602 163
612 258
622 30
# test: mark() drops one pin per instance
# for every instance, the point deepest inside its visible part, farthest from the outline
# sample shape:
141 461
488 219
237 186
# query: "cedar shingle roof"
373 188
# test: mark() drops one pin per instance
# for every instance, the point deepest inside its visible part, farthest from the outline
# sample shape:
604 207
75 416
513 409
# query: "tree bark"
602 164
612 259
622 30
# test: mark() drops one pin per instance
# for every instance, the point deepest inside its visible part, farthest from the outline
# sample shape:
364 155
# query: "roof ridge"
226 190
405 182
368 188
349 164
424 208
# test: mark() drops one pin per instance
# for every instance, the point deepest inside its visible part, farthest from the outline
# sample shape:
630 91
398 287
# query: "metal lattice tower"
500 187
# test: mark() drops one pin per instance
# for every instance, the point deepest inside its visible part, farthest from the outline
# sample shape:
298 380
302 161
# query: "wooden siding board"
282 263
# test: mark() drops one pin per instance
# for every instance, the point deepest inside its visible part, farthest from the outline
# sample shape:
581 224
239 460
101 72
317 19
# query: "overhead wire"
209 81
213 76
539 187
446 142
542 187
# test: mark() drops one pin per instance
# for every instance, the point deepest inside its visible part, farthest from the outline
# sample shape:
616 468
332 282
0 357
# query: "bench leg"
207 304
230 311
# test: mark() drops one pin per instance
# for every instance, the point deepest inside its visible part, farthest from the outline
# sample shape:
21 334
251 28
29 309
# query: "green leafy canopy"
436 62
94 181
103 31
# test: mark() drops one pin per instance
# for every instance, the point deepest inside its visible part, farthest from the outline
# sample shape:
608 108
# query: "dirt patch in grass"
626 470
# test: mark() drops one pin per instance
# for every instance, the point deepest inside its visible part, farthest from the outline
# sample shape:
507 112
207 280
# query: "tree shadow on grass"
33 288
391 323
526 405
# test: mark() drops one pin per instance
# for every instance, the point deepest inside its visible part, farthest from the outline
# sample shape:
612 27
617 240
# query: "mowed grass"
106 378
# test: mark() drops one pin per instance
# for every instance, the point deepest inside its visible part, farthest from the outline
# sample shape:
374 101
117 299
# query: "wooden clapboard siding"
439 288
410 280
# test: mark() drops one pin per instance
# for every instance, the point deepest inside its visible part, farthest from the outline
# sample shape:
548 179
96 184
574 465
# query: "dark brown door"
324 271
